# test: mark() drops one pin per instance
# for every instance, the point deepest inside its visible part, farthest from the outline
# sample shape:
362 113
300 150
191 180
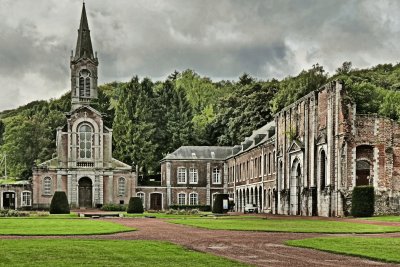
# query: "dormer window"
84 83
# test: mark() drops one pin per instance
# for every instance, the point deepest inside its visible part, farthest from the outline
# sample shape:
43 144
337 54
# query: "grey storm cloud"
219 39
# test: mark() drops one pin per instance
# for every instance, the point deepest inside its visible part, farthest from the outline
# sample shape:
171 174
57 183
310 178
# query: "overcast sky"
219 39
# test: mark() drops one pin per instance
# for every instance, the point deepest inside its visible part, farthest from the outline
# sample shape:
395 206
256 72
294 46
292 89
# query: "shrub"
363 201
113 207
59 203
218 203
190 207
135 205
14 213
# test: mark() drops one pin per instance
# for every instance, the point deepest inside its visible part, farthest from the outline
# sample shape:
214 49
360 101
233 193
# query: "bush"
218 203
14 213
363 201
59 203
135 205
113 207
191 207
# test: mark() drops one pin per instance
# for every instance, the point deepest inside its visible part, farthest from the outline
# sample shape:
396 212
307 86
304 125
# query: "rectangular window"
181 199
193 176
181 175
265 163
193 199
26 199
216 176
269 163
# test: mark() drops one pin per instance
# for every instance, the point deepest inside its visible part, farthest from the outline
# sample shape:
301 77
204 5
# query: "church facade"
84 167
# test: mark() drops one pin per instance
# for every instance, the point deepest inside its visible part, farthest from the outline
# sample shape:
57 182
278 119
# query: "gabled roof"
84 43
200 152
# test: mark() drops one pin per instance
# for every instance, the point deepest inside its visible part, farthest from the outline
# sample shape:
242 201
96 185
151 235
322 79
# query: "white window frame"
196 202
121 186
87 139
179 198
193 176
28 201
142 196
47 185
179 172
216 175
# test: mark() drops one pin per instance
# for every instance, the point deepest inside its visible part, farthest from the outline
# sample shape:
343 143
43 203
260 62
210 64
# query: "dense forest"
153 118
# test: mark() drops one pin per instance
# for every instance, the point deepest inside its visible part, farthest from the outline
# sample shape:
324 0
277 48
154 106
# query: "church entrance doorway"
8 200
156 201
85 193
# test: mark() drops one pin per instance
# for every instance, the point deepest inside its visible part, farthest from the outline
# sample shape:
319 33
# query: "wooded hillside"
150 119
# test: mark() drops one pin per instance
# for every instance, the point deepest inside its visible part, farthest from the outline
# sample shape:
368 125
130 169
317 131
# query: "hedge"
59 203
191 207
114 207
135 205
363 201
218 203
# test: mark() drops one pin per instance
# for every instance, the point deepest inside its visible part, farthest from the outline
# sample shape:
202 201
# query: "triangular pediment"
84 108
296 146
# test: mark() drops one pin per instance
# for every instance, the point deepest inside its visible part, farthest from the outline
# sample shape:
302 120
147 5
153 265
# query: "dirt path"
258 248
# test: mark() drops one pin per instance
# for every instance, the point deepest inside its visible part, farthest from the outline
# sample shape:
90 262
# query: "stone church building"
304 162
84 167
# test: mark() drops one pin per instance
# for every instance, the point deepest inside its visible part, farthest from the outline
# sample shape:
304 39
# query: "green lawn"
69 252
384 218
285 225
383 249
53 226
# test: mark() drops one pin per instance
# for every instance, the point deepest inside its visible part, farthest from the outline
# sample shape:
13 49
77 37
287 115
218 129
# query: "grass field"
285 225
69 252
383 249
54 226
384 218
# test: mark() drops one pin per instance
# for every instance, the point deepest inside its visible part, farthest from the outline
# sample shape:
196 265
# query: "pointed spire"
84 44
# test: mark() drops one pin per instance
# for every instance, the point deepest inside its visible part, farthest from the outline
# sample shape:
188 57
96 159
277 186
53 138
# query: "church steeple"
84 44
83 67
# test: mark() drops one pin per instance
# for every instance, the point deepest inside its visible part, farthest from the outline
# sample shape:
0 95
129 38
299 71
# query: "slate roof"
200 152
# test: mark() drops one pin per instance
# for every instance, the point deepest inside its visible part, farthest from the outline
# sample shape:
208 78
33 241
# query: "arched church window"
85 142
322 170
84 83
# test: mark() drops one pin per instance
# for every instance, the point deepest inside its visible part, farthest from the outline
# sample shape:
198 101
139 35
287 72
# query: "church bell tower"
83 67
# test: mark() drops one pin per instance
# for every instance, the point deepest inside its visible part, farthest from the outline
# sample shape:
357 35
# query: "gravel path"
258 248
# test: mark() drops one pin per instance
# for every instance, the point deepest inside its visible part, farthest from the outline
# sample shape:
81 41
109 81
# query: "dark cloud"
220 39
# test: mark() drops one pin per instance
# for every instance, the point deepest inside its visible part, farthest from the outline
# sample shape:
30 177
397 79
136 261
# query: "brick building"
84 167
308 160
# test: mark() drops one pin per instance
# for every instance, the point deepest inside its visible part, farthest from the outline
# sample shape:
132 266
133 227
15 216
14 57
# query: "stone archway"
295 176
85 189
